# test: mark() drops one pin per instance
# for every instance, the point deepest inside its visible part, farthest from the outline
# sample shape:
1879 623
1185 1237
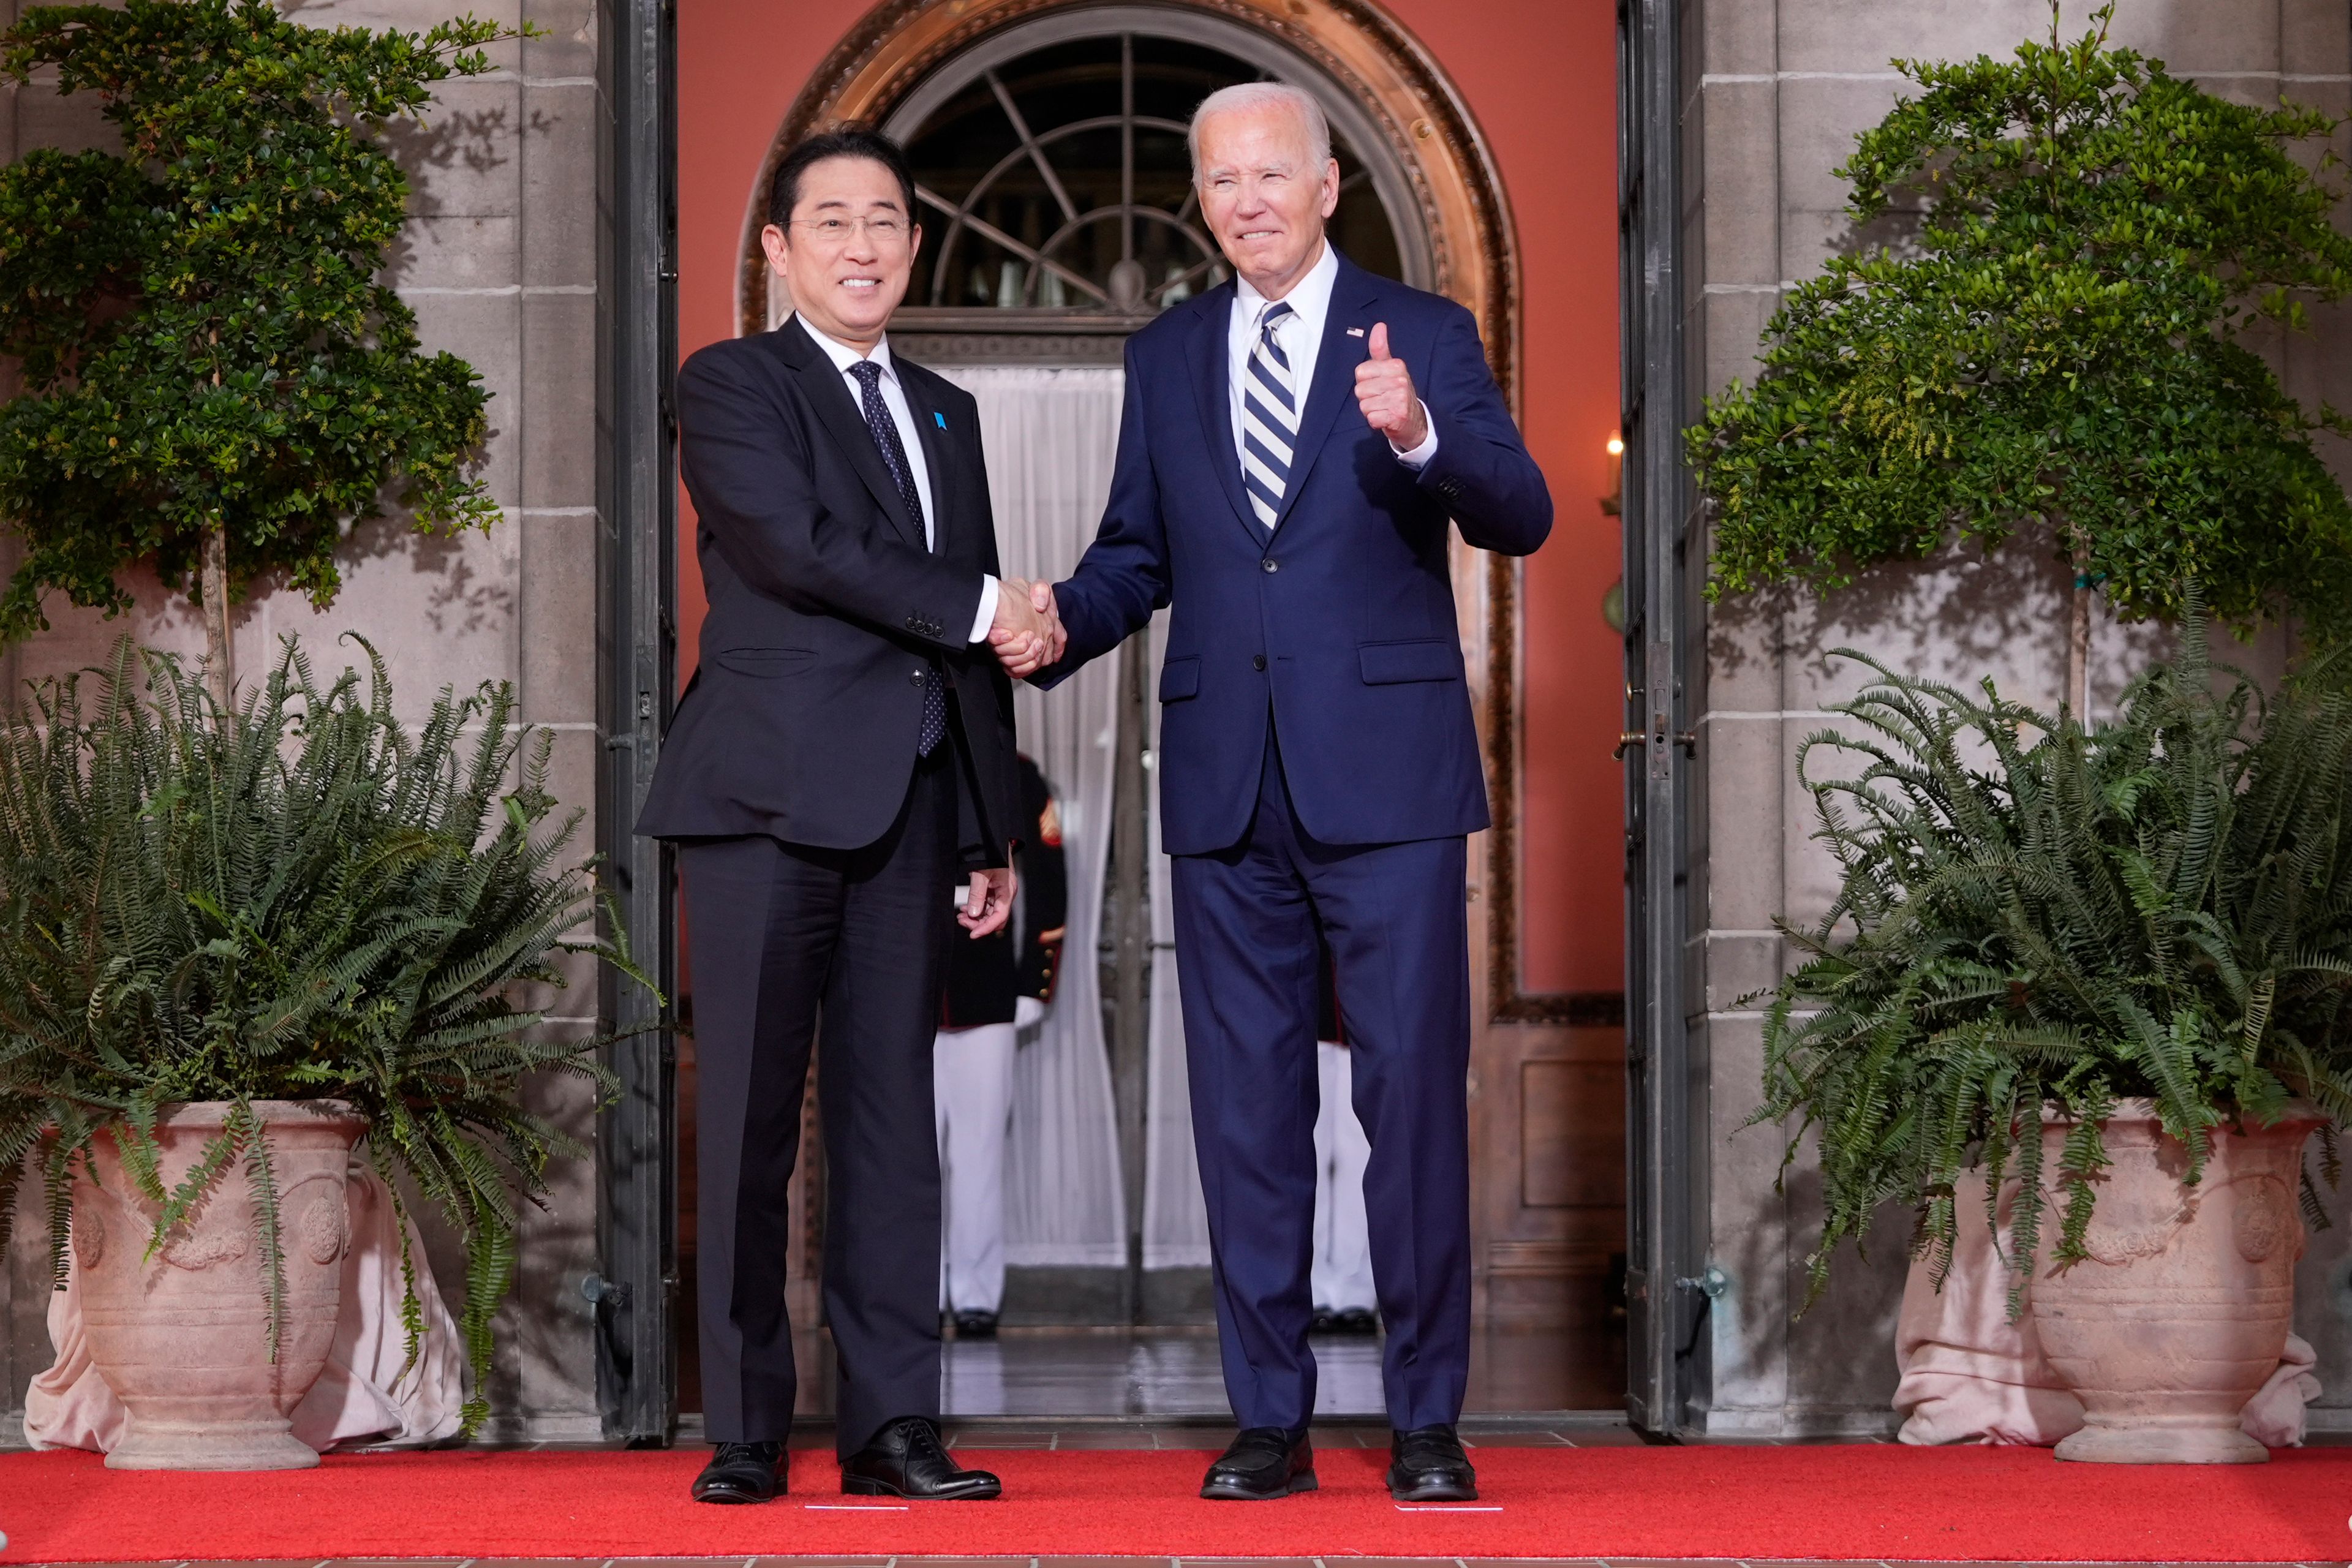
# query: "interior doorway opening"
1059 218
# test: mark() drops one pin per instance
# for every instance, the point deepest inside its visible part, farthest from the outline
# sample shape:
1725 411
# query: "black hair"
848 141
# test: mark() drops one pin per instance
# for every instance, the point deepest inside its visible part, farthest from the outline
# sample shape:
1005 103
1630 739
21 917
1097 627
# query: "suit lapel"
829 395
1212 385
1334 379
939 455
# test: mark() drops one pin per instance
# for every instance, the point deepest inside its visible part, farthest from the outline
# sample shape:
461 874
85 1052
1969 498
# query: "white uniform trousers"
972 1084
1342 1272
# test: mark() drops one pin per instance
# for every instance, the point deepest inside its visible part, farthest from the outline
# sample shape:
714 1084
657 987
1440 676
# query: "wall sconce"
1613 603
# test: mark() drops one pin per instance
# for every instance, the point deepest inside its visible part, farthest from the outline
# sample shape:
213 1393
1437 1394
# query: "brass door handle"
1687 740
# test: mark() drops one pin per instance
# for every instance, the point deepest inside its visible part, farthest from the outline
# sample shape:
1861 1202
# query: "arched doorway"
1403 127
1047 138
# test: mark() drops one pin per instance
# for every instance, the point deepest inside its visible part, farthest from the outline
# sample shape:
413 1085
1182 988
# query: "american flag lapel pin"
1355 332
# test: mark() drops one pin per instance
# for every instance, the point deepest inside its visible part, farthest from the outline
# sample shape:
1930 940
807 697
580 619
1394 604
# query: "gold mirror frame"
1475 251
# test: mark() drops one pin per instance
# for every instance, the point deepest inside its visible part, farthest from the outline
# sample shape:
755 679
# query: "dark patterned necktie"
894 458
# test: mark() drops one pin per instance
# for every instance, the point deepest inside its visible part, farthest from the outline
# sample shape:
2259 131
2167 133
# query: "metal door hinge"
1711 1284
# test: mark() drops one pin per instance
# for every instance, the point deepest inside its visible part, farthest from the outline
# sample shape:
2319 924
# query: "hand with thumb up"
1384 391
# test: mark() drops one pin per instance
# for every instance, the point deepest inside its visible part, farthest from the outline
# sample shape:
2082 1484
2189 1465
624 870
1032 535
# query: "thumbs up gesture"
1384 391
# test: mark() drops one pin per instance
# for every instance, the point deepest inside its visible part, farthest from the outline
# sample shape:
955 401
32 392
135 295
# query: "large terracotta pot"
182 1338
2182 1309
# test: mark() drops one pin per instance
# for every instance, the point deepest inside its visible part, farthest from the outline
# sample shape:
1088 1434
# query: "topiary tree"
2062 354
216 381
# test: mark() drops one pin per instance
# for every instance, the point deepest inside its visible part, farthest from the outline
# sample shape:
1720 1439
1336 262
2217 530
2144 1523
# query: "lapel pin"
1355 332
939 419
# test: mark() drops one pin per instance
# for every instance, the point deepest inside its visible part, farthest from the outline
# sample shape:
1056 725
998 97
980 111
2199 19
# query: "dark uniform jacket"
986 977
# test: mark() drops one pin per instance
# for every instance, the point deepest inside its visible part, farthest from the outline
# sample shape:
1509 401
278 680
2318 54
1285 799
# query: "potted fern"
227 952
2115 965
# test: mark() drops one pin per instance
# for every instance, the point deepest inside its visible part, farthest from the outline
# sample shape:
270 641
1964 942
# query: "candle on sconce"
1613 603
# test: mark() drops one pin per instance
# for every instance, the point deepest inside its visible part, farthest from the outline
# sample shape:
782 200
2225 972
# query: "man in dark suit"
1293 446
844 755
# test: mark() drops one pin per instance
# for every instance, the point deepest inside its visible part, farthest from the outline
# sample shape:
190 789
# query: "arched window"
1055 188
1053 175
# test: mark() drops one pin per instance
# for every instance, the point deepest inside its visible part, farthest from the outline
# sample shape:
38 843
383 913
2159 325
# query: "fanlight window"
1057 186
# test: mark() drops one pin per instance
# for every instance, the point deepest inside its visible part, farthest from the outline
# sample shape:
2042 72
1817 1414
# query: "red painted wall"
1539 77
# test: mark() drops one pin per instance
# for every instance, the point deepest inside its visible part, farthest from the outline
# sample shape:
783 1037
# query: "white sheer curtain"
1051 436
1175 1221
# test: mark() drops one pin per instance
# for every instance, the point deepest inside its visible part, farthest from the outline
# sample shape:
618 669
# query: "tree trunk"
2077 695
220 669
2078 656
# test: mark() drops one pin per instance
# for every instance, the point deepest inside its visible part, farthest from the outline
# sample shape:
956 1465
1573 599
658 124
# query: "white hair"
1262 95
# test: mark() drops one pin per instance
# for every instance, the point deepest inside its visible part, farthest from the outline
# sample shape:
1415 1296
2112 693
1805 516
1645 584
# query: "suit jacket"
1342 620
826 607
987 976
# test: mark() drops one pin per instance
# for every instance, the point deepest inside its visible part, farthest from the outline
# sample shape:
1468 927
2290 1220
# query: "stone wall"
1776 91
501 266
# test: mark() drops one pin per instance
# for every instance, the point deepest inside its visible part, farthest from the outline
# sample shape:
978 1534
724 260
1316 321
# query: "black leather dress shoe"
907 1459
1261 1463
1355 1321
975 1325
1427 1465
743 1472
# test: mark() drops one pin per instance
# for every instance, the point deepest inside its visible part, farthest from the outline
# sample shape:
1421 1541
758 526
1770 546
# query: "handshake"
1028 635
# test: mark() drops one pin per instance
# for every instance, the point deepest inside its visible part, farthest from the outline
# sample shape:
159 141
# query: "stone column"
1781 88
501 264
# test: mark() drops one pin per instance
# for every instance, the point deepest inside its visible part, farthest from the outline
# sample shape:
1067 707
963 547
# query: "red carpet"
1877 1500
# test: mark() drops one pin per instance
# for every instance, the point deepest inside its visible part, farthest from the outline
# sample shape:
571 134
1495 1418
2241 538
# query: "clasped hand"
1028 635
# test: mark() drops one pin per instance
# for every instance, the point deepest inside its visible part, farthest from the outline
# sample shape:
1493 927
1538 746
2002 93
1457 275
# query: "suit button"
1271 564
914 625
915 677
1258 662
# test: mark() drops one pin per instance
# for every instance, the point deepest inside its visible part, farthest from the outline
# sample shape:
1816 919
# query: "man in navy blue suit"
1292 447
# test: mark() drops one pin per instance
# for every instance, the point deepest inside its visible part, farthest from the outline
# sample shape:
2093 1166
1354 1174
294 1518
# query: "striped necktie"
1269 417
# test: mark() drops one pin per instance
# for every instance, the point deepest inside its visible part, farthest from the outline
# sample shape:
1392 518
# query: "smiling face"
845 282
1263 199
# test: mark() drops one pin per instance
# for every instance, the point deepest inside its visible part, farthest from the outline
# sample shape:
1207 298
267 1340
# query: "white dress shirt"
911 439
1301 337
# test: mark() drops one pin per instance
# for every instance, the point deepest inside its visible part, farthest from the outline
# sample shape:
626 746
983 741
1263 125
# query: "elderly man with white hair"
1296 449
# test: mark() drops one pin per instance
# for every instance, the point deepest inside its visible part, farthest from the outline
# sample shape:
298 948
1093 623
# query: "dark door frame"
634 1293
1659 743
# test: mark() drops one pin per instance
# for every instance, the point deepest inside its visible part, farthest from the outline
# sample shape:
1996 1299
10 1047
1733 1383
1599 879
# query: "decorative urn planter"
2182 1309
182 1337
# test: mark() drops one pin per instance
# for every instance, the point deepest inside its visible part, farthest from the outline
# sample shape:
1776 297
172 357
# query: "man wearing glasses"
843 754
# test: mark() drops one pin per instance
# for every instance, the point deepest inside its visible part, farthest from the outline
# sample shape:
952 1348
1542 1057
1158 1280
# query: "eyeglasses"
833 231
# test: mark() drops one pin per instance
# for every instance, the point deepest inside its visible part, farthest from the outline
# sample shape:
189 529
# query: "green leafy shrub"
216 378
2033 916
2059 355
310 902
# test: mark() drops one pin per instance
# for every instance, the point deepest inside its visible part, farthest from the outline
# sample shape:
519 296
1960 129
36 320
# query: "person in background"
997 989
1341 1275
